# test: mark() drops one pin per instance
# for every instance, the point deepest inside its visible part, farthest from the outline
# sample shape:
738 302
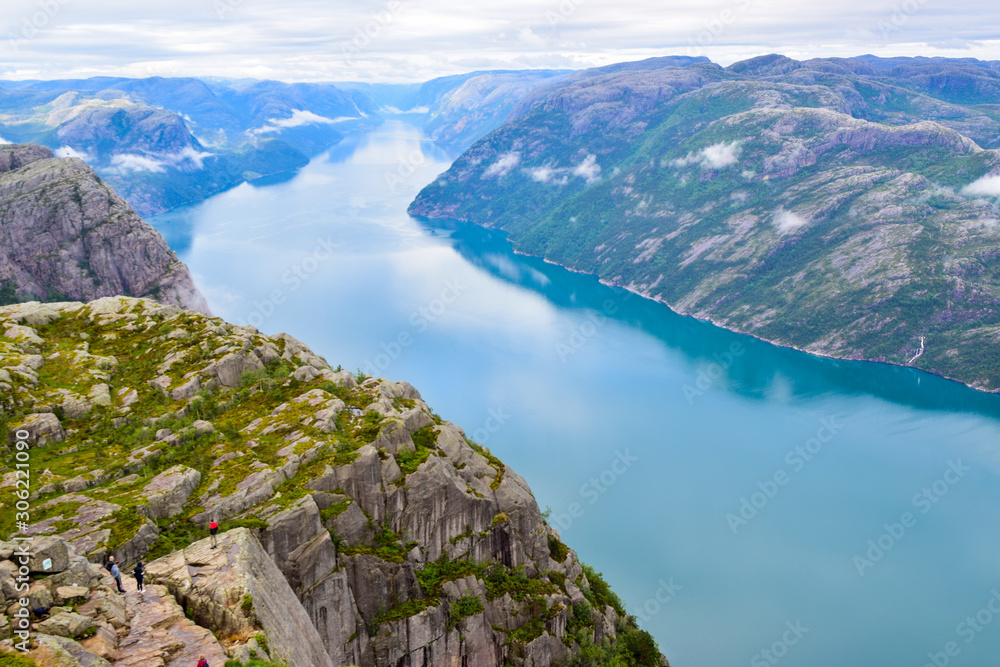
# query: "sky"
415 40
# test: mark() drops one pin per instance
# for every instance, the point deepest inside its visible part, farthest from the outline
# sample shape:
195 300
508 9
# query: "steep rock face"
64 234
838 206
355 521
235 589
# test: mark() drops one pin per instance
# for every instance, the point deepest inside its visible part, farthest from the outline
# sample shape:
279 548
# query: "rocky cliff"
64 234
846 207
358 526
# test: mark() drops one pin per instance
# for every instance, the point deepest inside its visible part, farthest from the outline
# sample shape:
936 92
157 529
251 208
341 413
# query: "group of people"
138 572
116 573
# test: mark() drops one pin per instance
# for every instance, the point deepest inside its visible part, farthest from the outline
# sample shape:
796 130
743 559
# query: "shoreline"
711 321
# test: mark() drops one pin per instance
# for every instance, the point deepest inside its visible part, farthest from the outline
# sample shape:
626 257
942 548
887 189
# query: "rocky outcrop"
65 235
168 491
357 526
237 590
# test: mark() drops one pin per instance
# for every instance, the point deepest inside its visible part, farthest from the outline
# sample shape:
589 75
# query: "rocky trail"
161 636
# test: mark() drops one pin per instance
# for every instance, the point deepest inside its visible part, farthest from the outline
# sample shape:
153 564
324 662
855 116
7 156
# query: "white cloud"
527 36
69 151
189 153
588 170
716 156
787 221
987 186
720 156
395 111
504 164
298 118
303 40
4 141
131 162
548 174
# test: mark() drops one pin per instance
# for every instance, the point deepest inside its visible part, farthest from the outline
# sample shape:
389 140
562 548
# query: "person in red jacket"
213 528
201 661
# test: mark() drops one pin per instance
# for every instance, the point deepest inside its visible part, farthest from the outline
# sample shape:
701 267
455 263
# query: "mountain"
167 142
64 234
455 111
358 527
846 207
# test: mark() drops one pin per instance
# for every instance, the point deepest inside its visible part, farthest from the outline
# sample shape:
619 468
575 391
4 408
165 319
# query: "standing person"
111 561
139 573
213 528
201 661
117 575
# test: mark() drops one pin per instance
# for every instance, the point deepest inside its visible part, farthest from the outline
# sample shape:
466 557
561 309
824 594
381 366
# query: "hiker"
117 575
201 661
213 528
111 561
139 573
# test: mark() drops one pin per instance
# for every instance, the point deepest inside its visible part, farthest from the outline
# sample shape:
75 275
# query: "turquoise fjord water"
751 504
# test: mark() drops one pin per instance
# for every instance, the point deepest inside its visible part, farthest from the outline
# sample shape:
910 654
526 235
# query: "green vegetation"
496 463
387 545
463 607
598 593
557 549
11 659
425 444
632 647
846 236
8 295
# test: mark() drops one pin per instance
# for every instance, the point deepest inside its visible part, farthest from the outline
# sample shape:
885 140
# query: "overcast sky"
414 40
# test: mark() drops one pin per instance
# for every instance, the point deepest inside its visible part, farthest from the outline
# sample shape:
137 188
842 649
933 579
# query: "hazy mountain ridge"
455 111
823 204
167 142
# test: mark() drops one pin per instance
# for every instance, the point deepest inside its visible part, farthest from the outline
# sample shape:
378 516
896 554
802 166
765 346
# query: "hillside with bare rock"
65 234
358 527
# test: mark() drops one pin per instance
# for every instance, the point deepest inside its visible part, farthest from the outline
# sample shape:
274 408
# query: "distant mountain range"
165 142
846 207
